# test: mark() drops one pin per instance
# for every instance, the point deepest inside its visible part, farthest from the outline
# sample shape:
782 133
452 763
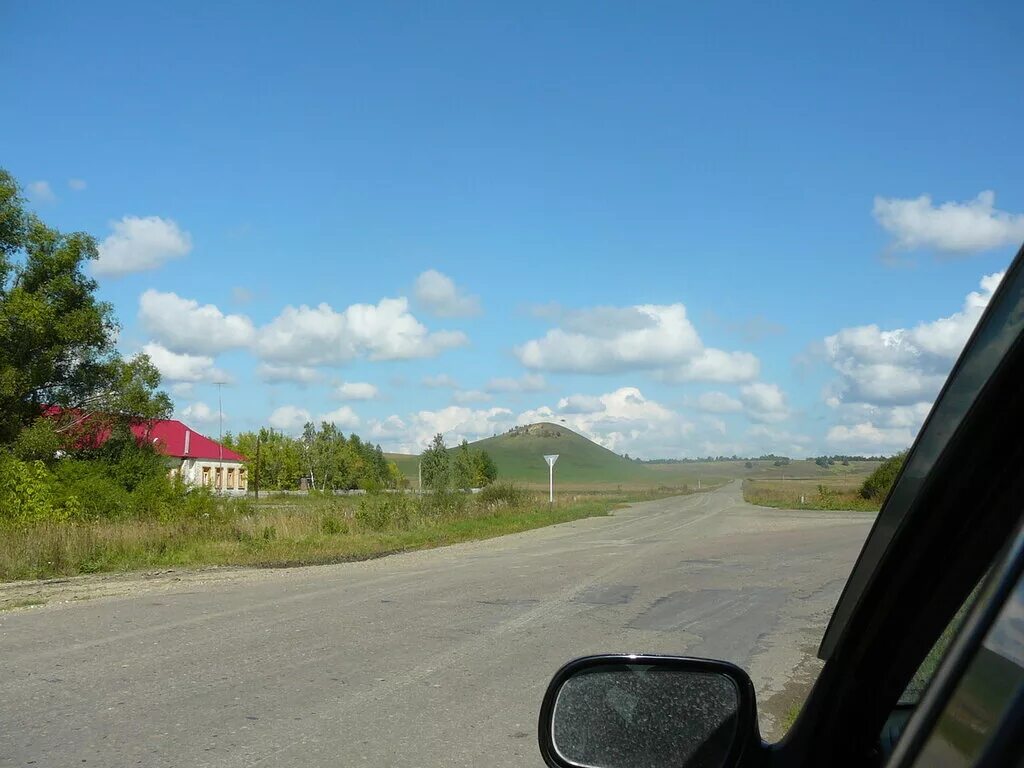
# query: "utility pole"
256 468
220 439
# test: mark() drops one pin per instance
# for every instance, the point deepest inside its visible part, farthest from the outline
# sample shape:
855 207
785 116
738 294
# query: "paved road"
434 658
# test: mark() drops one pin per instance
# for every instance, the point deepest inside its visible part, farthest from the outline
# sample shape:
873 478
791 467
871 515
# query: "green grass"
284 531
830 493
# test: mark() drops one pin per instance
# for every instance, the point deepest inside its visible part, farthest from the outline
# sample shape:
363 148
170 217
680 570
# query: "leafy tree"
58 339
486 469
464 467
436 465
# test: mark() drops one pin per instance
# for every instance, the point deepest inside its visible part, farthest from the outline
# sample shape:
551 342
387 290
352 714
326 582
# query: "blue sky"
683 230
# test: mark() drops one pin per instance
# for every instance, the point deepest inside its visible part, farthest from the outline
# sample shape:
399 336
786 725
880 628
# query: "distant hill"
519 455
583 463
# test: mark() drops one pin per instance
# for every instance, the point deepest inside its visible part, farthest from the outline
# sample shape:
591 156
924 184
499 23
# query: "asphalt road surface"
435 658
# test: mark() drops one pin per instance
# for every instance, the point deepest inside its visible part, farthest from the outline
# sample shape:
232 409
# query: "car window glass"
917 685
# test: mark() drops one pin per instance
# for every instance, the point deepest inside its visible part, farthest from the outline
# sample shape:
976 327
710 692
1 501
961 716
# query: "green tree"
486 469
58 340
436 465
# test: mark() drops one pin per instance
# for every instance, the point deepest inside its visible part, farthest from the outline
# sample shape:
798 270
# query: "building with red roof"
192 456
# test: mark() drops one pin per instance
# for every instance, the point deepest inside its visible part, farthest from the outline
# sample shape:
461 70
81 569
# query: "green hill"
519 455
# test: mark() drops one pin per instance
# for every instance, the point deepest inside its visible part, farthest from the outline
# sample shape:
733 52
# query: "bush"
878 483
384 510
502 495
444 504
27 494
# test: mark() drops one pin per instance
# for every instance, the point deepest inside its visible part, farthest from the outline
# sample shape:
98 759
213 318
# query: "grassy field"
283 531
841 491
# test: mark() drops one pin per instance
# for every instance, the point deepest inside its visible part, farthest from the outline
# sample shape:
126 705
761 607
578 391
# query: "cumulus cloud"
866 438
389 428
657 337
183 325
77 185
718 402
322 336
903 366
764 402
624 421
296 374
200 413
456 423
41 192
530 382
960 228
718 366
183 367
182 389
356 390
437 293
138 244
343 417
289 418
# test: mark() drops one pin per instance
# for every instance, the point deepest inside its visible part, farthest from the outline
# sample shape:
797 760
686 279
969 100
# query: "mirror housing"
642 711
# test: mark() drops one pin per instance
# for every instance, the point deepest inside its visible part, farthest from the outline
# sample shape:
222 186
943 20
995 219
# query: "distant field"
583 465
838 491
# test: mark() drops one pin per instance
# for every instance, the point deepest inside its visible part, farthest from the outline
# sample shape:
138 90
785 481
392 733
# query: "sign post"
551 459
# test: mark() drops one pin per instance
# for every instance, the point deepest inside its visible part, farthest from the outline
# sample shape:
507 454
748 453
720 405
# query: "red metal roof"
167 434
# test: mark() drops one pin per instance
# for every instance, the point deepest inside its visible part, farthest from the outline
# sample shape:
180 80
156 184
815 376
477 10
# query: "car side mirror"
629 711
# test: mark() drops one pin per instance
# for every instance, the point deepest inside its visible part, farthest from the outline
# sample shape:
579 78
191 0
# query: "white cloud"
184 367
438 294
467 396
624 421
968 227
456 423
289 418
200 413
343 417
658 337
764 402
77 185
183 325
530 382
866 438
321 336
357 390
298 374
41 192
440 381
717 365
762 439
389 428
183 389
139 244
903 366
718 402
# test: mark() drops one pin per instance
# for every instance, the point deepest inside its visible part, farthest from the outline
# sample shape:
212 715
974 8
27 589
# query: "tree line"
324 456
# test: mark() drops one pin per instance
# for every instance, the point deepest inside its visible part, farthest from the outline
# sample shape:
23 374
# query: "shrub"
27 493
97 494
384 510
444 504
333 526
502 495
878 483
